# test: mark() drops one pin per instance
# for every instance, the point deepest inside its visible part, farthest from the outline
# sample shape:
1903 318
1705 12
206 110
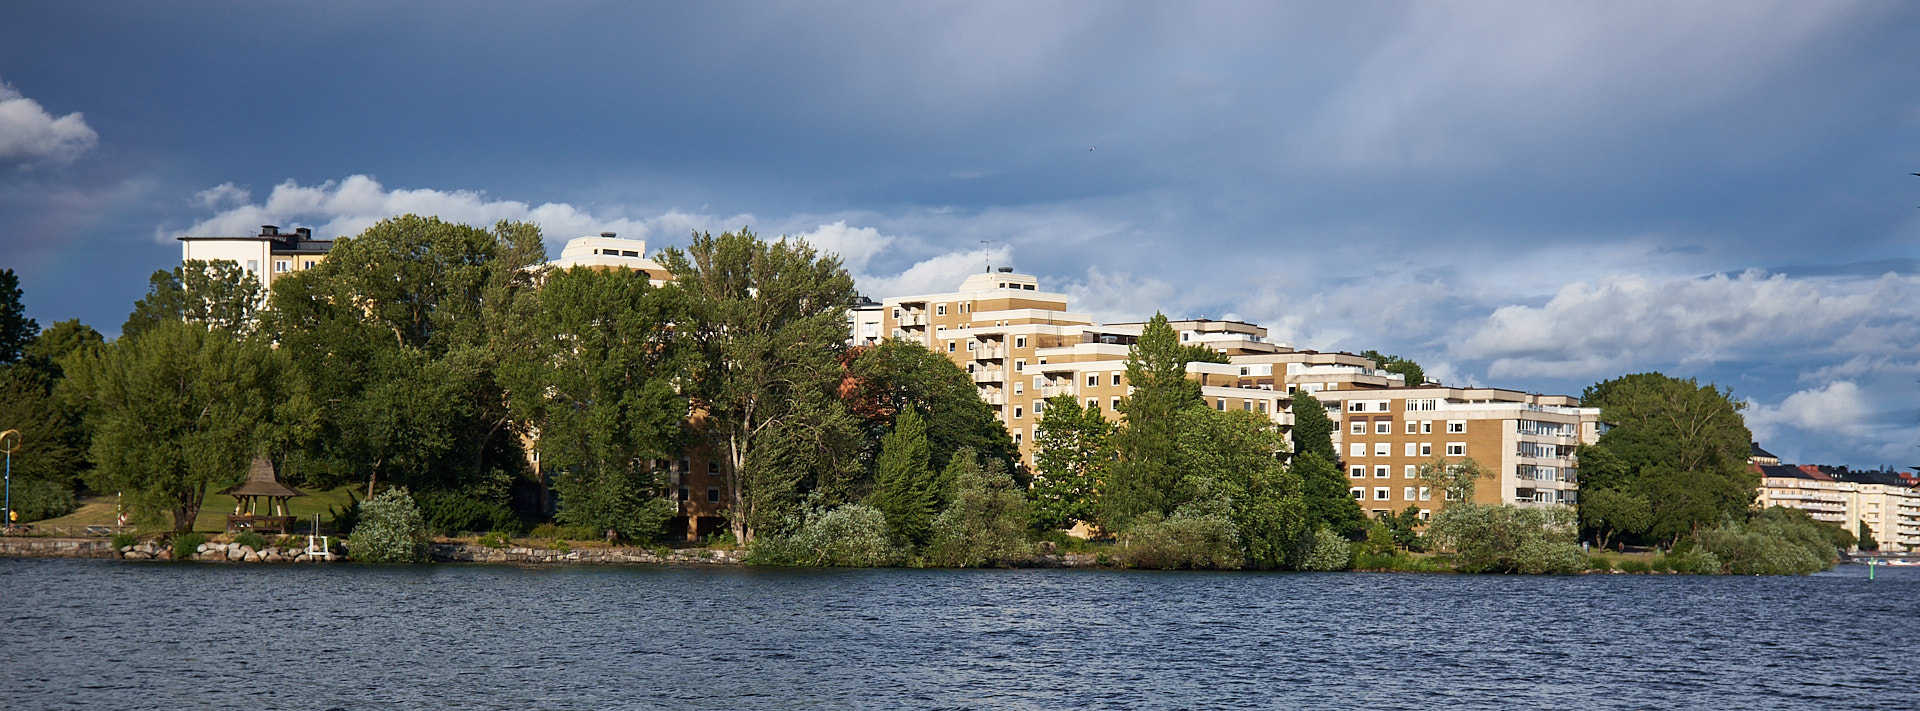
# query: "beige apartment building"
610 251
267 256
1887 504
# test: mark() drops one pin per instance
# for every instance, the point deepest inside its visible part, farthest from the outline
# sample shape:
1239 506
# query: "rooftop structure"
610 251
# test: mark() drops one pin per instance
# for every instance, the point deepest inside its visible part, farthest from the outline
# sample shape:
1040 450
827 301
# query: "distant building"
268 255
1887 503
866 322
609 251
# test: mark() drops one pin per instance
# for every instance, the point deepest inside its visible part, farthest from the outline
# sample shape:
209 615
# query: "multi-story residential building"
866 322
1885 503
609 251
1525 440
268 255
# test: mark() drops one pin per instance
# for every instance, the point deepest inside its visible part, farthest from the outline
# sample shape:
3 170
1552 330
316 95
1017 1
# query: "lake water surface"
86 634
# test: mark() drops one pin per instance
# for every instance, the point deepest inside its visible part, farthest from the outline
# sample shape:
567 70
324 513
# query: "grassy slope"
98 510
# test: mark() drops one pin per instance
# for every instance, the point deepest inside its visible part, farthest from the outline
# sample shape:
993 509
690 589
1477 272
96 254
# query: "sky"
1526 195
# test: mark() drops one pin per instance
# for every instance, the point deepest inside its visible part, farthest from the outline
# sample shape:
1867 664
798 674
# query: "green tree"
218 293
1679 444
596 379
1864 539
1146 474
52 428
1503 538
16 330
1237 458
767 325
1395 364
1610 512
986 522
178 411
400 334
1324 492
1073 456
391 530
904 484
1776 541
895 375
1454 481
1313 430
1404 527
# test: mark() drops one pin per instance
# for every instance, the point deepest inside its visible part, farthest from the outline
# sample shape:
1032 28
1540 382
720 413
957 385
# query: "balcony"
1053 390
913 320
994 398
989 353
989 376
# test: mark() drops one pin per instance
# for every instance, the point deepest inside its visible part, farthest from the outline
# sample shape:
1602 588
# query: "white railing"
988 376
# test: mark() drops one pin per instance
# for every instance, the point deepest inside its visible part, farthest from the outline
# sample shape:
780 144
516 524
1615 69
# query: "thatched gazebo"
260 484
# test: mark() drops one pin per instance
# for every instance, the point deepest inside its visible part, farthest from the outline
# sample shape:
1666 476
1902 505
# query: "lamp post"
9 442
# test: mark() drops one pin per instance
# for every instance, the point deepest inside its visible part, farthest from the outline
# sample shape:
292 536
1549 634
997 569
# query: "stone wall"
21 547
463 553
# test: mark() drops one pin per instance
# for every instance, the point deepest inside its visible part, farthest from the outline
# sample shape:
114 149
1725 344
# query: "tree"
904 484
1609 512
596 381
1405 527
1323 491
1237 459
52 428
218 293
766 324
179 410
986 523
885 379
1679 444
1415 376
1503 538
1865 538
16 330
391 530
400 334
1146 473
1454 481
1313 430
1073 456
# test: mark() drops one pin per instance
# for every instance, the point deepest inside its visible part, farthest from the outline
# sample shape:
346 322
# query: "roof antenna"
986 249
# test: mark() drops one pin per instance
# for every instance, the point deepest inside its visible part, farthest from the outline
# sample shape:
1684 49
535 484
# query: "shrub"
1540 556
986 523
560 544
1599 564
122 540
187 544
251 540
1208 541
287 543
1697 561
39 499
855 535
449 512
1325 551
1633 565
1508 539
555 531
1658 564
1773 542
494 540
346 518
390 530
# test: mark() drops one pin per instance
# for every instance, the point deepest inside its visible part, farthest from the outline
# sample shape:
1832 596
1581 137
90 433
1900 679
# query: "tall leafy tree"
896 375
1238 457
1313 429
179 411
1324 490
400 333
1073 457
219 294
1395 364
16 330
596 378
766 326
1679 444
52 429
904 481
1147 472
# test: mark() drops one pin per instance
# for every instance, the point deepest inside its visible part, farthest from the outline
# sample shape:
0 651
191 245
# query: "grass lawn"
98 511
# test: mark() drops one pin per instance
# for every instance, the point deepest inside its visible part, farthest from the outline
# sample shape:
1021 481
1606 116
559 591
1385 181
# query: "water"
109 634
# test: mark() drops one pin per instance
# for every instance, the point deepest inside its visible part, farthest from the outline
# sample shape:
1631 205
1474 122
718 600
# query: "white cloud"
28 134
1835 407
1601 327
855 245
1836 421
349 206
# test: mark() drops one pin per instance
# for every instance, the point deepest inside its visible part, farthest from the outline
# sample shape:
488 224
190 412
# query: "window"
307 264
1383 427
1424 514
1248 406
1020 366
1019 387
686 494
280 266
1357 472
1358 493
1380 472
1357 450
1381 493
1018 412
1426 449
1019 341
1422 405
1406 493
1093 380
1382 449
1456 427
1039 406
1016 439
1116 404
1412 449
1413 428
1116 378
940 310
1382 406
1093 402
1356 407
1456 449
970 345
253 265
713 494
1359 427
1426 427
1413 471
1220 403
1263 407
950 346
1425 495
684 466
713 467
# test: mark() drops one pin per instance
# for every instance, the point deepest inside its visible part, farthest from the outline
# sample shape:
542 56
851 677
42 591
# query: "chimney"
1006 270
269 231
302 233
608 235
